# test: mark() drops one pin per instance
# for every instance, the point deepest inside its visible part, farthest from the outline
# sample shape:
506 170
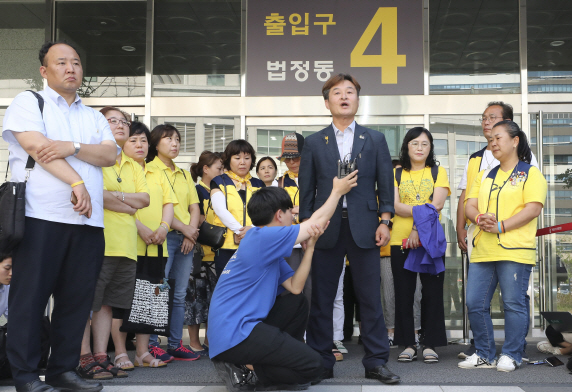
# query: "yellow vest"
235 205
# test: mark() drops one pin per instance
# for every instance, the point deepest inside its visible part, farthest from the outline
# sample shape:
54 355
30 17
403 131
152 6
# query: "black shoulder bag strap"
398 173
30 163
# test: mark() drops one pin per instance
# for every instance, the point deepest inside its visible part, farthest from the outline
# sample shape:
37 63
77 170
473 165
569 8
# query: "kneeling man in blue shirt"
257 314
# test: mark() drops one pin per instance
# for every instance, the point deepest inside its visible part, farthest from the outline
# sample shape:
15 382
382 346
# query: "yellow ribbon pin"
326 140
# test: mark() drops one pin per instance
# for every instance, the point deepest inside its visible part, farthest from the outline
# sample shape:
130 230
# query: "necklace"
118 175
418 197
487 160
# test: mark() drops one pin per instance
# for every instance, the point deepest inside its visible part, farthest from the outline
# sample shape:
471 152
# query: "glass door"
552 277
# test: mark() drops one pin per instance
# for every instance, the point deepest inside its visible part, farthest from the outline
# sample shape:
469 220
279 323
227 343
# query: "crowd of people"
342 226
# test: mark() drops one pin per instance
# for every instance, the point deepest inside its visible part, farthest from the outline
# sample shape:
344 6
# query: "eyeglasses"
424 145
297 159
116 121
492 118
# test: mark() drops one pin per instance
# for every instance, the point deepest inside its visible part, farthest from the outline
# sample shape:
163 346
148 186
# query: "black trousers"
222 256
327 266
294 262
275 347
56 259
351 304
432 312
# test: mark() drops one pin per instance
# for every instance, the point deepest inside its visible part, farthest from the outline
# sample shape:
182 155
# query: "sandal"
104 361
154 363
429 355
408 355
125 364
337 353
91 370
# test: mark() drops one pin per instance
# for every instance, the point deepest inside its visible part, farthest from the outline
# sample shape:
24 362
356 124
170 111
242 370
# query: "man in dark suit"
354 228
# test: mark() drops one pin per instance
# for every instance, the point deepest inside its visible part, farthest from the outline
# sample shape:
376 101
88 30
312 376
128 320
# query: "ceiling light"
128 48
557 43
209 124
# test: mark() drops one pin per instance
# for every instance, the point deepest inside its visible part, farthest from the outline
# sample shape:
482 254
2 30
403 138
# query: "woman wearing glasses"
504 204
420 181
125 192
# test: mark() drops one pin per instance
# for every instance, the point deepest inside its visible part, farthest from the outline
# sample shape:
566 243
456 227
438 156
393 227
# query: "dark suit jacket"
318 167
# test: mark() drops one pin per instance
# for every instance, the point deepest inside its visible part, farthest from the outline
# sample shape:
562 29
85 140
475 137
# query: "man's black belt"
344 213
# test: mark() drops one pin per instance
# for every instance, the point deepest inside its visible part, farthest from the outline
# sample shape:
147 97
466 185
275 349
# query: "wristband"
122 196
477 218
168 226
77 183
499 227
164 227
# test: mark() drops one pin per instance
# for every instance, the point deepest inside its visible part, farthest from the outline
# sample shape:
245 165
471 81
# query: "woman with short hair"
230 193
505 204
164 147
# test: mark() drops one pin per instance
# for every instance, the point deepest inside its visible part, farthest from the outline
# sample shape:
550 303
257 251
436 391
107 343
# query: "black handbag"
152 305
211 235
13 202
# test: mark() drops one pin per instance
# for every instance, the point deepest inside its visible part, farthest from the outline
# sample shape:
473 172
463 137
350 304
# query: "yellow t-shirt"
182 184
412 182
517 191
160 193
120 230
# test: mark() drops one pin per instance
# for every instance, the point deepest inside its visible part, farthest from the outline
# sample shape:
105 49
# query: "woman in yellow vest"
505 206
125 192
230 193
201 286
417 187
153 225
164 147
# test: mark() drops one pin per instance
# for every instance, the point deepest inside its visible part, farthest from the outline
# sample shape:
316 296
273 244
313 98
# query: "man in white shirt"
63 245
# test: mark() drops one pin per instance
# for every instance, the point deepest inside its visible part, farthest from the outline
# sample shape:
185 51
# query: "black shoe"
235 378
383 374
326 373
282 387
36 386
71 381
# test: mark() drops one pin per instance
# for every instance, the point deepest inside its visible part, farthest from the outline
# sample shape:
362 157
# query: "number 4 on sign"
388 60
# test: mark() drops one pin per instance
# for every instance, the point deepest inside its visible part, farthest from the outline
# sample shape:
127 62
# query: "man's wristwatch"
77 146
386 222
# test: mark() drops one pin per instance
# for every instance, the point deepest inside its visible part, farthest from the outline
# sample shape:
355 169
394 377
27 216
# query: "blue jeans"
482 282
179 267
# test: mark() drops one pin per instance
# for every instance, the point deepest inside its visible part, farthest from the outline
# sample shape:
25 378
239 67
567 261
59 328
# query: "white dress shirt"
4 291
345 141
47 197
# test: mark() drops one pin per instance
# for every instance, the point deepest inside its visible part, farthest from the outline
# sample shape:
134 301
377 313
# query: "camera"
346 167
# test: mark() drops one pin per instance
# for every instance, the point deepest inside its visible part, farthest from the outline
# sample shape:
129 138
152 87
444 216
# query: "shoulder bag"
212 235
13 202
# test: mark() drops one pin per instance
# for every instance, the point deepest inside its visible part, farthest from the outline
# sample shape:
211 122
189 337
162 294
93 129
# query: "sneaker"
467 353
203 353
505 364
235 377
546 348
340 347
182 353
390 340
160 354
476 362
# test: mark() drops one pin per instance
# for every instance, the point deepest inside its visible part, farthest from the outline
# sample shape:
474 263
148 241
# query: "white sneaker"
340 347
546 348
476 362
505 364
